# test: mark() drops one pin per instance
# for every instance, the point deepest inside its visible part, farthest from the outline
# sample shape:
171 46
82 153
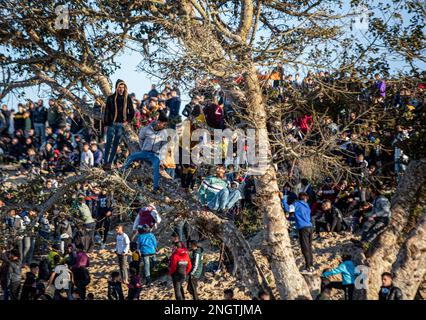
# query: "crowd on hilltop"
54 247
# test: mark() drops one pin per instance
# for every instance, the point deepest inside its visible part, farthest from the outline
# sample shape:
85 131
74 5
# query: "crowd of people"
55 246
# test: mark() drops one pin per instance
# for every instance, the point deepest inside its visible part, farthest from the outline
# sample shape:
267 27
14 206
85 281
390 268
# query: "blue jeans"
114 134
225 199
40 131
5 294
28 249
151 157
57 294
183 229
171 172
147 265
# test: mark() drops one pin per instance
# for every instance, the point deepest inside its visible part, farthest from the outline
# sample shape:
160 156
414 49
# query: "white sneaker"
307 270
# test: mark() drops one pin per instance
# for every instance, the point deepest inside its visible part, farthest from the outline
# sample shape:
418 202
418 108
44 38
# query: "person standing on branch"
152 138
118 112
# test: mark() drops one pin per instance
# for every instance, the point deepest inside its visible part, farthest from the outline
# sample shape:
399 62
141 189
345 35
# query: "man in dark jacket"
197 268
56 116
331 219
153 93
118 112
103 216
39 117
19 118
388 291
288 194
29 288
173 104
6 114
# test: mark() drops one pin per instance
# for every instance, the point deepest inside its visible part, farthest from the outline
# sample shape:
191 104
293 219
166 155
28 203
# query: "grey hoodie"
381 207
152 140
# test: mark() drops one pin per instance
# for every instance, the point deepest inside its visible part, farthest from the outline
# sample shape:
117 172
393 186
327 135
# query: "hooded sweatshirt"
147 244
180 263
147 215
153 140
302 214
119 108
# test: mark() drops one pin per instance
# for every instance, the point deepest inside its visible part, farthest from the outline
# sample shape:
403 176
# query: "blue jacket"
147 243
97 158
302 213
174 106
347 269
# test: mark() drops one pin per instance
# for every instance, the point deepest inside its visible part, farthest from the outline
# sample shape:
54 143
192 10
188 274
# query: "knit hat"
118 82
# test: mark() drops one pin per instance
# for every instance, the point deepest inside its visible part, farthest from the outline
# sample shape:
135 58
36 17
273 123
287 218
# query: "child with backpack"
147 215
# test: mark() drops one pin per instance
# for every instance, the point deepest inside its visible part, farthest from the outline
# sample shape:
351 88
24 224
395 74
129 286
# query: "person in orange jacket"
179 268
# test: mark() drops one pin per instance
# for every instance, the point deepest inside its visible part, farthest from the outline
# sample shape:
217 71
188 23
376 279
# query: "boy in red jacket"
179 268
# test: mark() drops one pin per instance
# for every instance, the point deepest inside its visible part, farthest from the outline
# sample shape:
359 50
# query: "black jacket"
19 121
6 114
4 125
56 117
114 114
334 218
115 291
39 115
29 288
390 293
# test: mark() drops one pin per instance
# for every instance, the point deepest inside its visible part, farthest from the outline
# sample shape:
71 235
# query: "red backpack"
145 217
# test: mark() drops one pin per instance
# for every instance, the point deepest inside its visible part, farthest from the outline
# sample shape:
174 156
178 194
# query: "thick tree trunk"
410 267
387 246
245 266
244 263
290 283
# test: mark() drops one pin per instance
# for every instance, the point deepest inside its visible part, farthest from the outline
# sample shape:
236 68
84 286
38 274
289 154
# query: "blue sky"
140 83
137 81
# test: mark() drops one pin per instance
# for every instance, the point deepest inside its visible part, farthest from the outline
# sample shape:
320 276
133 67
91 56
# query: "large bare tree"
198 39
